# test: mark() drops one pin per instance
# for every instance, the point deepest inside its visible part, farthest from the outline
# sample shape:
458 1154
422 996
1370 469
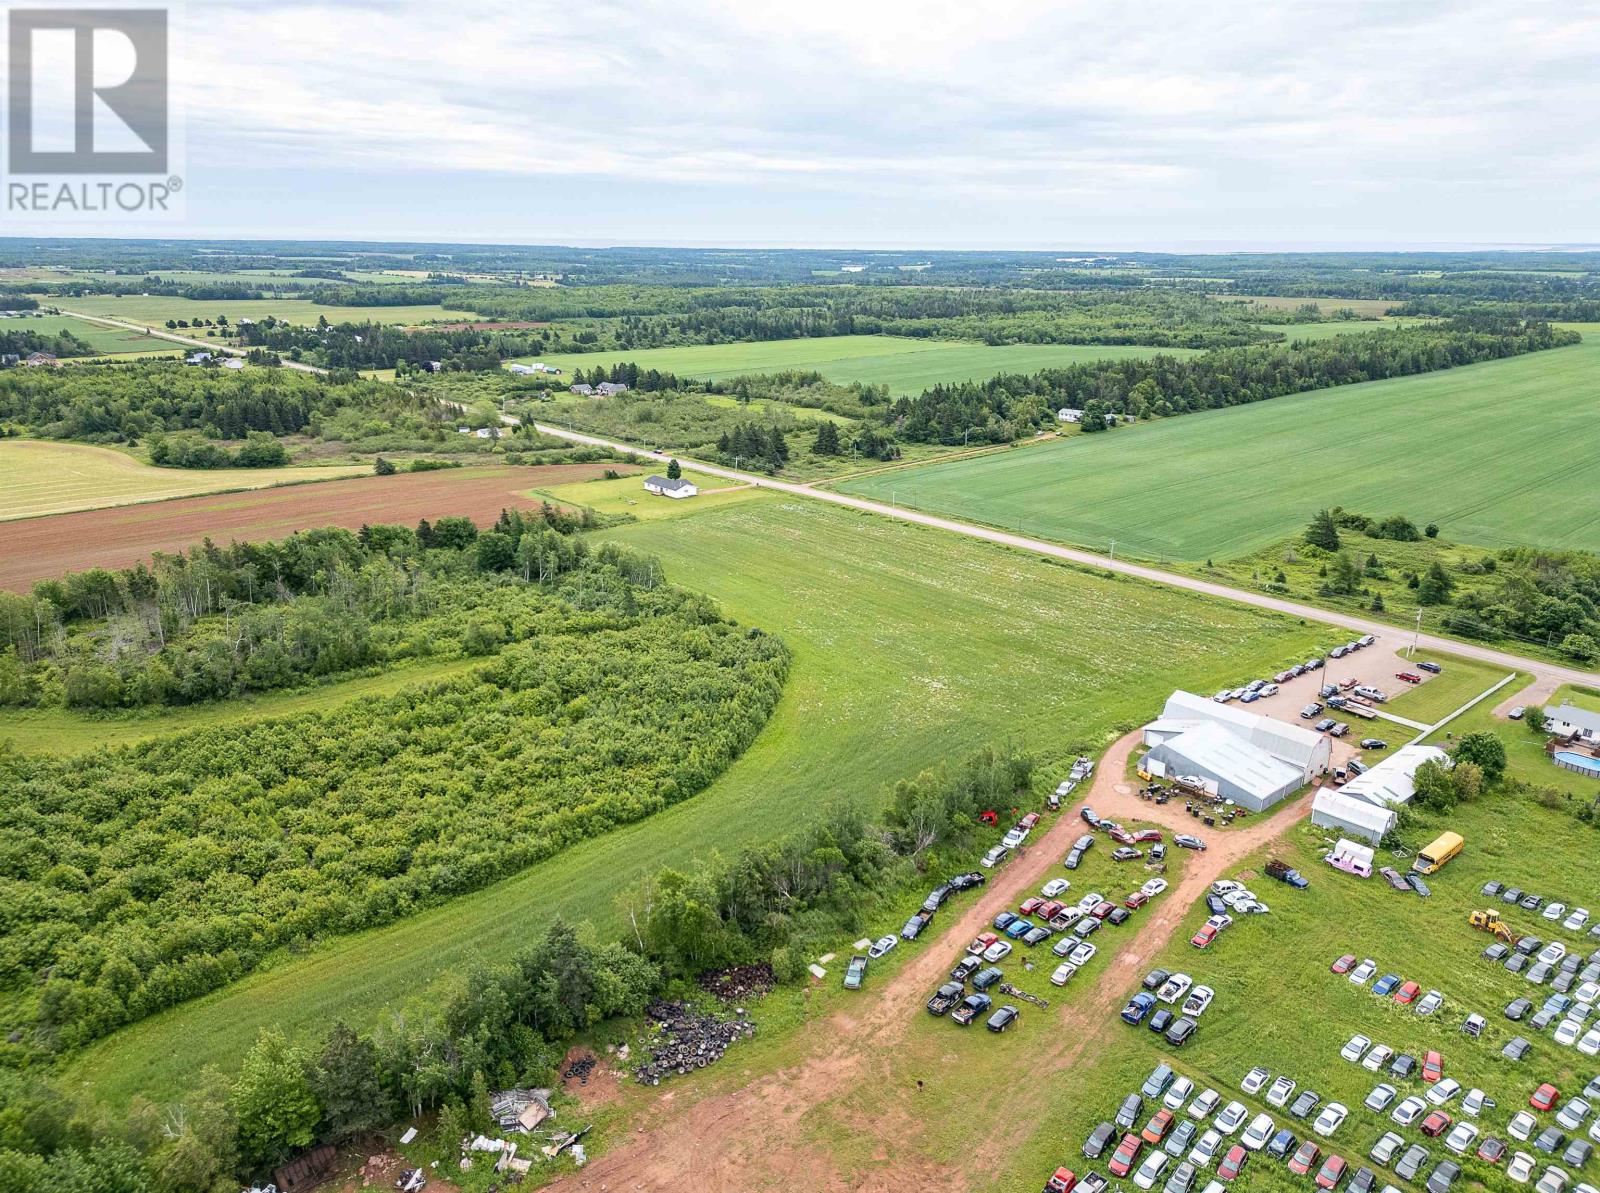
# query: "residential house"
47 360
197 358
586 391
606 388
1069 414
1568 720
662 487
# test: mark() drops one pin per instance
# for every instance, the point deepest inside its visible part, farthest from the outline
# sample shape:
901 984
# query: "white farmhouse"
662 487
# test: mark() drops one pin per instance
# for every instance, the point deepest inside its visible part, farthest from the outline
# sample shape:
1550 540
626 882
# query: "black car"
1517 1009
1415 880
1516 963
1160 1020
1374 743
1511 894
1086 813
1073 860
1442 1177
1551 1140
1003 921
1003 1018
1099 1138
1516 1048
1037 934
965 882
1531 902
1155 979
971 1007
1129 1112
987 977
936 898
1119 915
1495 952
1308 1101
1364 1181
1403 1065
1182 1029
1411 1163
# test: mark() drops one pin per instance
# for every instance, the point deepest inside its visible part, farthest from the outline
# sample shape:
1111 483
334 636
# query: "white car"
1588 993
1554 911
882 945
1552 952
1552 1180
1223 885
1204 1104
1281 1091
1090 901
1431 1002
1082 955
1260 1130
1362 974
1521 1167
1178 1093
1175 987
1220 922
1270 690
1331 1119
1205 1149
1476 1102
1254 1080
1522 1125
1150 1170
1567 1032
1381 1097
1198 1001
1590 1044
1056 886
1154 887
998 951
1377 1058
1441 1092
1063 973
1241 895
1232 1117
1594 1130
1577 920
1409 1110
1353 1050
1462 1137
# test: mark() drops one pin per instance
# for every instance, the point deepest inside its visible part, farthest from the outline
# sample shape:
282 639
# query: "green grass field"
910 647
1489 452
110 341
154 310
1440 695
906 366
39 477
626 495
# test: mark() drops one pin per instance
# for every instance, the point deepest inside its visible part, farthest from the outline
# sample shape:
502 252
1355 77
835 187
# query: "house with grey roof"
676 489
1568 720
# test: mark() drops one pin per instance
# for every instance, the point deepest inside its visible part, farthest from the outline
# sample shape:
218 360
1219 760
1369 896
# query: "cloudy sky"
1335 123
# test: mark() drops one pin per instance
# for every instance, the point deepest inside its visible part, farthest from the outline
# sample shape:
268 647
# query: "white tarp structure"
1241 771
1390 782
1350 817
1308 752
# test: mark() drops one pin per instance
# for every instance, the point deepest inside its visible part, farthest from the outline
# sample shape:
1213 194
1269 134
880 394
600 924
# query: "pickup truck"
855 973
945 997
1283 872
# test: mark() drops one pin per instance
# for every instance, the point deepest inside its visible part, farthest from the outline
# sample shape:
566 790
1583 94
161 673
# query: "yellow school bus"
1437 854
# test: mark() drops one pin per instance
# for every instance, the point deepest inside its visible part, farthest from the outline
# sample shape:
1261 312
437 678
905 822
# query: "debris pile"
688 1040
521 1109
739 982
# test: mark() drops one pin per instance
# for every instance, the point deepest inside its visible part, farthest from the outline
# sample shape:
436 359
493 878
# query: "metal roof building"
1390 782
1350 817
1239 770
1307 752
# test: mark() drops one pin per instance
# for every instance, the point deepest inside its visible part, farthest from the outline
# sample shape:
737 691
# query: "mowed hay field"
906 366
110 341
910 647
38 477
1501 453
154 310
38 548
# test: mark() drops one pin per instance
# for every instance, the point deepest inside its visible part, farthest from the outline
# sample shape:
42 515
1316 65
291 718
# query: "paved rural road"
1555 673
163 334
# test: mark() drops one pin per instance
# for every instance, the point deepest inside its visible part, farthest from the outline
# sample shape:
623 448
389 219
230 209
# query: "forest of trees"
22 341
1010 406
133 879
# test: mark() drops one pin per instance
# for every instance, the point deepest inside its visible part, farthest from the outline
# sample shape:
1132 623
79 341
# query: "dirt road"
755 1136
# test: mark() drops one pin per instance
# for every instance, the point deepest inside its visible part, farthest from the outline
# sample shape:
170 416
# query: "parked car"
1175 987
1198 1002
1331 1119
1411 1163
1385 1149
998 951
1125 853
1377 1058
1062 973
1515 1048
1374 743
1305 1159
1331 1172
1204 1104
1233 1163
1003 1018
1431 1002
1408 1111
1129 1113
1362 973
1099 1139
1150 1171
1281 1090
1127 1153
1545 1097
1189 841
988 976
1432 1067
1355 1048
855 973
1381 1097
1305 1103
1178 1093
944 998
1232 1117
1385 985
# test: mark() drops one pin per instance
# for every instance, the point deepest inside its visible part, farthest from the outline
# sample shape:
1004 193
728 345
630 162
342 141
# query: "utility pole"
1417 633
1113 548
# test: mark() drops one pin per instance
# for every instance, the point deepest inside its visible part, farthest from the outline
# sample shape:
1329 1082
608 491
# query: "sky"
844 123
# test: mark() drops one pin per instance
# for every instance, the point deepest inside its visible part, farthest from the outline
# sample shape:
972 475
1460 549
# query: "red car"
1432 1067
1121 835
1408 676
1435 1124
1344 964
1492 1150
1030 821
1136 900
1203 938
1102 909
1156 1129
1331 1172
1545 1097
1147 836
1064 1181
1029 906
1050 910
1304 1160
982 941
1233 1163
1408 994
1126 1156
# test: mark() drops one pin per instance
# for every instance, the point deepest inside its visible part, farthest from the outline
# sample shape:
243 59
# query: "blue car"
1385 985
1138 1007
1018 928
1249 697
1004 919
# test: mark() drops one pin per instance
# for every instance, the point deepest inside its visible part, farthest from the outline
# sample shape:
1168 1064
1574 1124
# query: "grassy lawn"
910 647
1524 746
1277 1004
40 477
626 495
1226 482
112 341
1440 695
906 366
154 310
59 730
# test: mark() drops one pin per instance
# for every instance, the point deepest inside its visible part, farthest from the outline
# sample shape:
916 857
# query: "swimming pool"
1582 763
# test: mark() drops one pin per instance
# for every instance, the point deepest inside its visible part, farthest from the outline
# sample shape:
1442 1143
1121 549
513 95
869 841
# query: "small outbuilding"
1393 781
1331 809
676 489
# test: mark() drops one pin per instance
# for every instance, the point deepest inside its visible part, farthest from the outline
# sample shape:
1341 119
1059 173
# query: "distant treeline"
23 342
1007 407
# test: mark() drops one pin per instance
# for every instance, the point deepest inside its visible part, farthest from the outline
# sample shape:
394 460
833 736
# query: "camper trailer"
1351 858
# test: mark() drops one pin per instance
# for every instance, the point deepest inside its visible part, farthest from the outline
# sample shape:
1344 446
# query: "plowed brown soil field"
34 549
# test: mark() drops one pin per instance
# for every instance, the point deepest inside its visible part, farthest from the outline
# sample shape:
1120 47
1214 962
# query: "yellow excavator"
1487 921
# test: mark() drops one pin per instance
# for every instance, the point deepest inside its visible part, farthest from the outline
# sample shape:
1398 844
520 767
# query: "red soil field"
34 549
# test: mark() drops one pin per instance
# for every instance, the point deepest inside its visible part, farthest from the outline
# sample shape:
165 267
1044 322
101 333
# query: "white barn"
1391 781
1307 752
1349 817
1231 766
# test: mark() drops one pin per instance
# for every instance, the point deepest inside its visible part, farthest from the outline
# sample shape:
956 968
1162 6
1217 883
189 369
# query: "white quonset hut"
1391 782
1350 817
1236 769
1307 752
